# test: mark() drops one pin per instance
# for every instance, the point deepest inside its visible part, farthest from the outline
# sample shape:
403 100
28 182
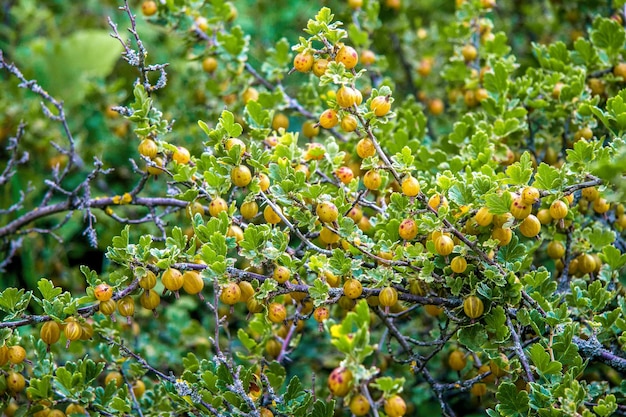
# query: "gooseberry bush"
338 208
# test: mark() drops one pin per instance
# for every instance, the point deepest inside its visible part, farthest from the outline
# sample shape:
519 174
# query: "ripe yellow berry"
72 331
15 382
231 293
473 307
192 282
281 274
457 360
16 354
319 67
355 4
407 229
172 279
349 123
346 96
276 313
469 52
321 314
388 296
359 405
395 406
519 209
479 389
530 226
327 212
114 377
530 195
103 292
372 180
270 215
148 148
280 120
340 382
309 129
410 186
352 288
328 236
50 333
555 250
544 216
348 56
586 263
107 307
483 217
250 94
303 62
209 64
444 245
590 193
241 176
149 299
217 206
344 174
601 206
380 105
149 7
458 264
328 119
181 155
232 142
148 281
365 148
504 236
249 209
558 210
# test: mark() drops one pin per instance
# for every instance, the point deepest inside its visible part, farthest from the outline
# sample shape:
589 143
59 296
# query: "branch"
593 350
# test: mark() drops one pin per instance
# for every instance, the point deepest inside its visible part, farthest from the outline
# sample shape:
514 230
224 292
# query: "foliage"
202 204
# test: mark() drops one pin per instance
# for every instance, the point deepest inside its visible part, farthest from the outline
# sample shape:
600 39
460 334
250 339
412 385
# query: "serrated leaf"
547 177
512 402
473 337
607 34
541 360
520 172
498 204
613 257
48 290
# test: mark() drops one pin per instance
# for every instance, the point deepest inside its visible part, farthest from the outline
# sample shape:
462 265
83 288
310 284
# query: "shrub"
205 226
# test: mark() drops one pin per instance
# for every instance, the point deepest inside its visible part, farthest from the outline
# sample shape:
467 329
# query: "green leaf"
246 340
520 172
235 42
498 204
319 292
120 404
227 122
47 289
294 389
323 408
598 236
503 128
606 406
607 34
495 324
547 177
541 360
473 337
14 301
496 81
613 257
512 402
585 53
